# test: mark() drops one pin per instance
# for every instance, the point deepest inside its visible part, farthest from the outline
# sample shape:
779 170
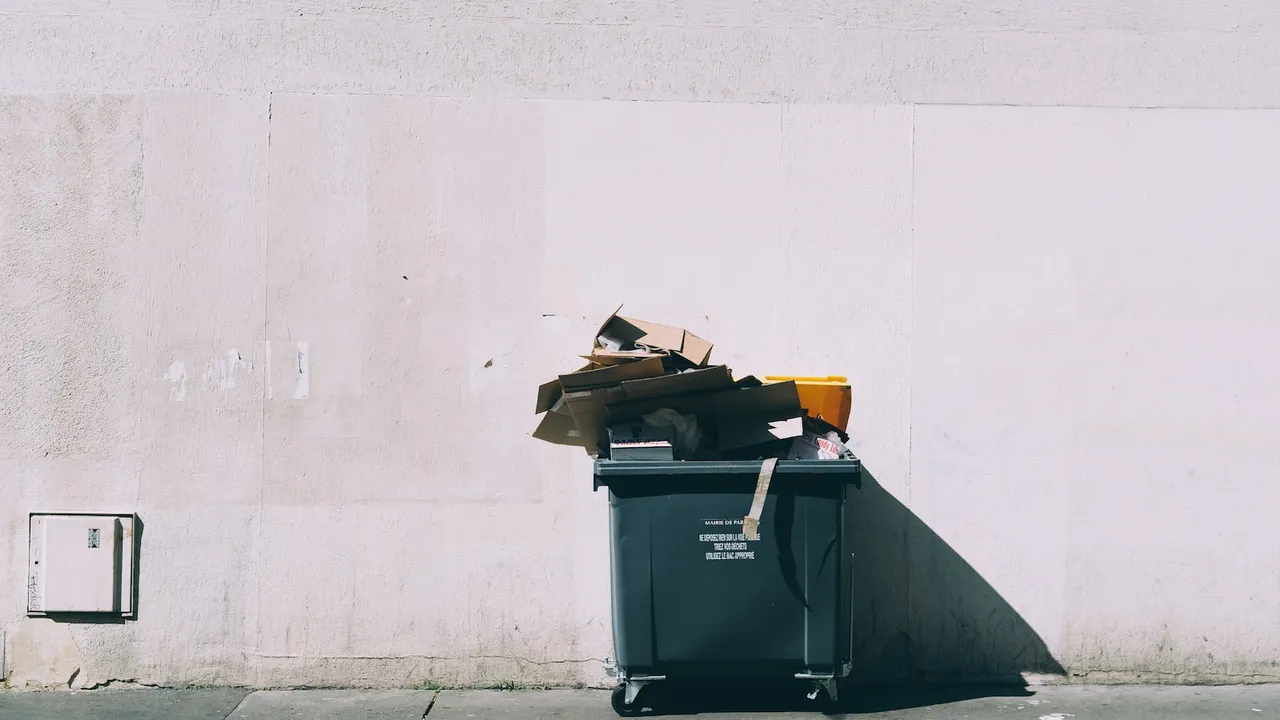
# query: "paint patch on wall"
302 372
177 375
234 363
220 374
44 655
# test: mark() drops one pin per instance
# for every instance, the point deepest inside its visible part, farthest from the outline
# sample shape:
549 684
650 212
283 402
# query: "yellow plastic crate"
828 397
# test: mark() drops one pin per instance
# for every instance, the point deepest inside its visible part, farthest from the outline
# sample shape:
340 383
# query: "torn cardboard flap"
558 427
587 408
596 375
611 357
611 374
549 392
716 377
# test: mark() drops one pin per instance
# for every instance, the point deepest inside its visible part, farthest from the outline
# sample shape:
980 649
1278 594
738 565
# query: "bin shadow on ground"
686 697
921 613
928 629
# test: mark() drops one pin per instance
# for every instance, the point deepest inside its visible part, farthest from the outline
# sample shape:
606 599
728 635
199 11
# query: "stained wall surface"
281 278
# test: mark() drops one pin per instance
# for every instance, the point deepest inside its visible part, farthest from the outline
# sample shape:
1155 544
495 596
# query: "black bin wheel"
619 701
820 700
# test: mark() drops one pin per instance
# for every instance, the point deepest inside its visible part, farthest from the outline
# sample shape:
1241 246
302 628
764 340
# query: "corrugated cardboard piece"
558 427
779 401
621 338
596 376
648 390
638 368
631 360
588 407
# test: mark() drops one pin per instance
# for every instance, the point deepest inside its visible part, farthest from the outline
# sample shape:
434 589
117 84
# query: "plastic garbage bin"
693 598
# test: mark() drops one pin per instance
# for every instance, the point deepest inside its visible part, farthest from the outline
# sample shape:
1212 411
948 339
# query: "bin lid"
848 471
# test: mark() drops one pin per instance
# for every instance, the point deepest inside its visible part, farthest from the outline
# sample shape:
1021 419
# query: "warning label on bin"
722 539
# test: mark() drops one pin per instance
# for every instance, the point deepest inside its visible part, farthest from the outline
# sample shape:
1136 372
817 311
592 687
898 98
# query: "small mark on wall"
302 372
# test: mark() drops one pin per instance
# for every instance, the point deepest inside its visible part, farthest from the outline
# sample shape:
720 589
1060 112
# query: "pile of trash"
649 392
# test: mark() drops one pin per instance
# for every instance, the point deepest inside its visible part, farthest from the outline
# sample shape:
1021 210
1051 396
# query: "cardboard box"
621 338
637 441
629 362
739 417
588 406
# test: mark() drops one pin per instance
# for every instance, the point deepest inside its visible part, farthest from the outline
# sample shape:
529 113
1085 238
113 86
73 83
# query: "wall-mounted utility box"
82 563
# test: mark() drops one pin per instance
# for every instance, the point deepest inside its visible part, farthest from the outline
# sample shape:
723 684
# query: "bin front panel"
711 597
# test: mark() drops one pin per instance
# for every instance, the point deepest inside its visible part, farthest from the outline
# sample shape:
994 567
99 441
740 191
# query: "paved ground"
1051 703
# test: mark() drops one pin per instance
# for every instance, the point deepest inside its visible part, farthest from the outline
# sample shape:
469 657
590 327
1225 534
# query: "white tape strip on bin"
751 523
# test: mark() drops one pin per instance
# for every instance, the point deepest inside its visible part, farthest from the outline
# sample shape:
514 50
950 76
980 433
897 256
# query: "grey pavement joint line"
237 707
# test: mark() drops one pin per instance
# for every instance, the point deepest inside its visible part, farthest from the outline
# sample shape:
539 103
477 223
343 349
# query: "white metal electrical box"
81 563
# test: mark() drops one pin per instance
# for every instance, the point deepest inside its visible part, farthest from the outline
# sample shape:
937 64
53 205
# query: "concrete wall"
1060 322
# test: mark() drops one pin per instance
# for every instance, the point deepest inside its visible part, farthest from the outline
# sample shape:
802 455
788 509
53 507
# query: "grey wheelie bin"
694 598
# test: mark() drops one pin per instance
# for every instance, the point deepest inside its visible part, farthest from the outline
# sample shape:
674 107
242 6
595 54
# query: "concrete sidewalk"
1046 703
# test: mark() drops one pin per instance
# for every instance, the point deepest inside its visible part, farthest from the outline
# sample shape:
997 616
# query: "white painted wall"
1059 321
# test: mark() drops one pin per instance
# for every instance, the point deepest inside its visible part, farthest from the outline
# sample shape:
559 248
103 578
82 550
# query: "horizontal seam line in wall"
18 92
373 18
568 98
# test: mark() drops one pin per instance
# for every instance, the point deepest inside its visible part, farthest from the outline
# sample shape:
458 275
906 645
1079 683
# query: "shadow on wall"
924 616
928 630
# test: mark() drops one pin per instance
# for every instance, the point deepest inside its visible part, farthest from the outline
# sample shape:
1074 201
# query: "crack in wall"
122 683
